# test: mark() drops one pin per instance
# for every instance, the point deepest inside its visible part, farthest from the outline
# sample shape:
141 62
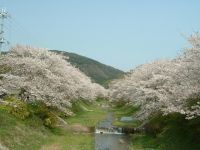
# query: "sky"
120 33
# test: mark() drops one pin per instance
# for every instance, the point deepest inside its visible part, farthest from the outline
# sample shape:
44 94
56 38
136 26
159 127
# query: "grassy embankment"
172 132
122 110
32 133
169 132
87 115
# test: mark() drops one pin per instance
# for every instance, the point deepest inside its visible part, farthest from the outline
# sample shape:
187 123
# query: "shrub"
47 114
23 110
155 125
17 107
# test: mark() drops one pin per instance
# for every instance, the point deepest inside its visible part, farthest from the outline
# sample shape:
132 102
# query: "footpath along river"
109 138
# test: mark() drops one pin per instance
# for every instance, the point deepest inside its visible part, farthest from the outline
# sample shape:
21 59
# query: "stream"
109 138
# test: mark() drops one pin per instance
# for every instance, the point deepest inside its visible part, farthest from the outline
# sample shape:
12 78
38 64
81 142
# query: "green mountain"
98 72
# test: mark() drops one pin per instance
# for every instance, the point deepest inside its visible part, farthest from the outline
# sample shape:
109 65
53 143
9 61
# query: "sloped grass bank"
22 125
69 140
32 134
87 115
172 132
38 131
19 134
121 110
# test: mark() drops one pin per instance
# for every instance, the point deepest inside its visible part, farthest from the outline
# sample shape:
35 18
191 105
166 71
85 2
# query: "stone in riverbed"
121 141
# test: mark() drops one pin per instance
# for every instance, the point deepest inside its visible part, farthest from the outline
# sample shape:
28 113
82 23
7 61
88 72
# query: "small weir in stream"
108 137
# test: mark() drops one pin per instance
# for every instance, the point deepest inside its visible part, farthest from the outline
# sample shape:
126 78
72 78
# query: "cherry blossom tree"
38 74
164 85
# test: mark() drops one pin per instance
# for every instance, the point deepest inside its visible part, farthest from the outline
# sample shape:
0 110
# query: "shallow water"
111 142
109 139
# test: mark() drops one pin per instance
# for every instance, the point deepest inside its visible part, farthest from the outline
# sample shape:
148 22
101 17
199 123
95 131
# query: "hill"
98 72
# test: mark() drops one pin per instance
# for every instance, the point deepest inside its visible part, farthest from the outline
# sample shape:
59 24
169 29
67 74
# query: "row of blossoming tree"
164 85
37 74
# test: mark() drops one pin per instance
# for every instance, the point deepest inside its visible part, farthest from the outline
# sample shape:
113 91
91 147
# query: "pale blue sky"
120 33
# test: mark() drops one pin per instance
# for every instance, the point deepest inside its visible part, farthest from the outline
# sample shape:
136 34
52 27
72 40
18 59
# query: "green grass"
70 141
87 114
124 110
18 134
143 141
32 134
170 132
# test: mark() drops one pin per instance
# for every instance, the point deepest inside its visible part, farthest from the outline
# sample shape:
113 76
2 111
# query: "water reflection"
109 138
111 142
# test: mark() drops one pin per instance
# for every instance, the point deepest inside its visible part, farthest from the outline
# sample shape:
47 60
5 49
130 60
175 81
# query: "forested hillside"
98 72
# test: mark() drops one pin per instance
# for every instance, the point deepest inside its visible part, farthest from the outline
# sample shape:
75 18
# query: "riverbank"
122 110
79 135
32 134
160 132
